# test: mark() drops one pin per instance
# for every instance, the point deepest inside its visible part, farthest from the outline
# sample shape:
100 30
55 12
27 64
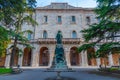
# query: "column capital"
67 49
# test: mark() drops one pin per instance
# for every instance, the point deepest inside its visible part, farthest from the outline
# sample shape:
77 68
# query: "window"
29 36
88 20
45 34
59 19
73 19
74 34
45 19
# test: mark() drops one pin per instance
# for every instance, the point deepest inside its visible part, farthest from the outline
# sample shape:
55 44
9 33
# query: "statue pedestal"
60 65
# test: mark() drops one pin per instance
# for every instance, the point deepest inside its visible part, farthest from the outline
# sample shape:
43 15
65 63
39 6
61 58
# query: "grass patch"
110 70
5 70
114 69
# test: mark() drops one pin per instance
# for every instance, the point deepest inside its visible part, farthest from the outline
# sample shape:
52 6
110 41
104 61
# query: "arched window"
44 56
27 57
74 57
29 36
74 34
45 34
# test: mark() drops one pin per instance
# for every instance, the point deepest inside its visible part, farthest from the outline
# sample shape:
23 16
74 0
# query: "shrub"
5 70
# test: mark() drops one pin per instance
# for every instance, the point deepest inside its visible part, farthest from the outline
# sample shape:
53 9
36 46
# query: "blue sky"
77 3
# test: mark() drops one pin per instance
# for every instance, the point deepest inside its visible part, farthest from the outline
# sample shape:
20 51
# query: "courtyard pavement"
80 74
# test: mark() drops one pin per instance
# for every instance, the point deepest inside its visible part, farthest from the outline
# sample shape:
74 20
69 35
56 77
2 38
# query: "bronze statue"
59 58
59 37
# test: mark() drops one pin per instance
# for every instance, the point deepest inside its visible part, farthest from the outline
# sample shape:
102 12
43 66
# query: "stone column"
33 60
51 53
84 58
67 56
7 60
98 61
20 59
80 59
110 58
35 57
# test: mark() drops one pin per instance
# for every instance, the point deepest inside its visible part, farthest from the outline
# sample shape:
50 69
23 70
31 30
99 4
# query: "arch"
115 56
74 34
115 59
44 56
27 57
104 61
74 56
91 57
45 35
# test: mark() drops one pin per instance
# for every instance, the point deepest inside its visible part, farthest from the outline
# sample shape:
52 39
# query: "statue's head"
59 32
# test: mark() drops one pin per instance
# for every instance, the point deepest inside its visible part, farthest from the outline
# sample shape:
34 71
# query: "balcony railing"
53 40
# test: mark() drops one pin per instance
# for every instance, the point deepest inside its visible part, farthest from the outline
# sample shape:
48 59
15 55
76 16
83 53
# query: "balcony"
53 40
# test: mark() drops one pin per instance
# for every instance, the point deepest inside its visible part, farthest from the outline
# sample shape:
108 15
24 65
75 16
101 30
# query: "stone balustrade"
53 40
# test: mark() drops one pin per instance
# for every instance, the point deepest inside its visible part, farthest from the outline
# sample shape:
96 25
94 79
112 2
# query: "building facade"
70 21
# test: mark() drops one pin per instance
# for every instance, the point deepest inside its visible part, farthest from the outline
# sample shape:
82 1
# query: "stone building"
70 21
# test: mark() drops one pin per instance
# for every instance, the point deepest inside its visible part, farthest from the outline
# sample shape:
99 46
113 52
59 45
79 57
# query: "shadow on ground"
63 78
104 74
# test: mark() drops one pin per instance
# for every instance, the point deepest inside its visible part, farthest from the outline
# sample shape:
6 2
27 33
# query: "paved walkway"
80 74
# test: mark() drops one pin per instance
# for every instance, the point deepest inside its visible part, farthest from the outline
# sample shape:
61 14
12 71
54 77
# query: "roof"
62 6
